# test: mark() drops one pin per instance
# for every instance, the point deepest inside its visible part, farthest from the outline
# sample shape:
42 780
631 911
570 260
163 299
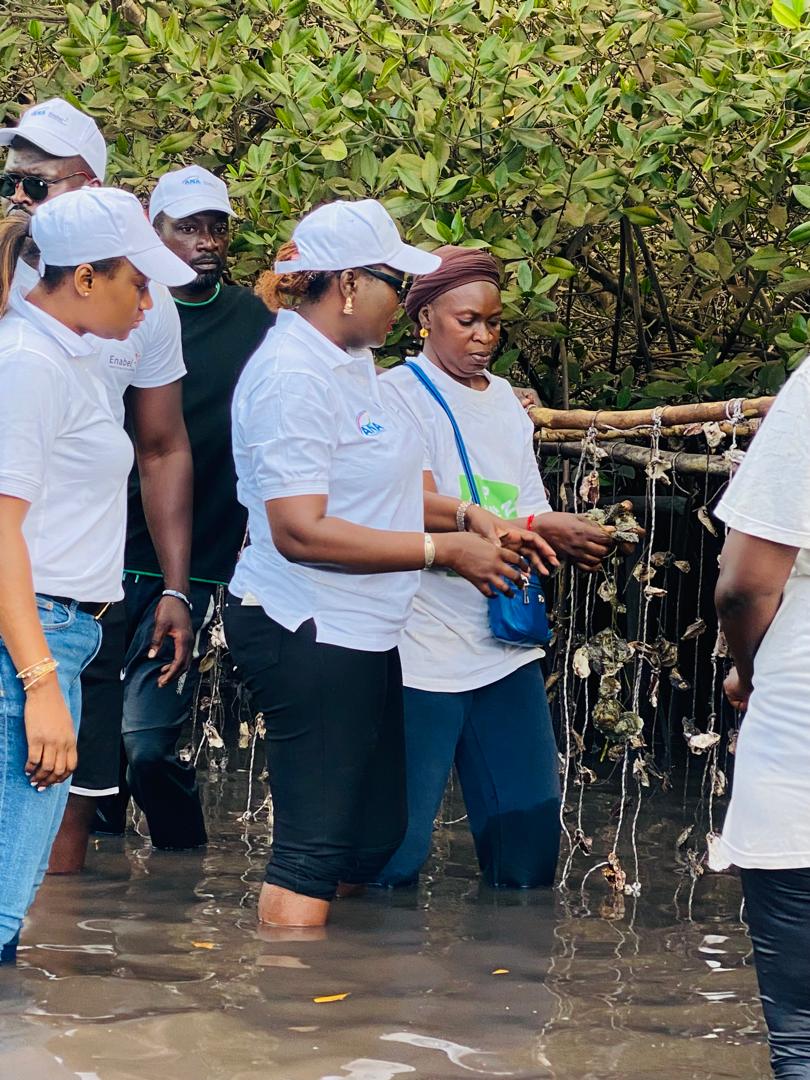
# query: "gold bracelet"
46 669
32 669
430 551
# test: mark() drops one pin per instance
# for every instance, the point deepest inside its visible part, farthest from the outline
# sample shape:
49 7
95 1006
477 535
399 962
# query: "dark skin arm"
753 574
164 462
440 516
303 533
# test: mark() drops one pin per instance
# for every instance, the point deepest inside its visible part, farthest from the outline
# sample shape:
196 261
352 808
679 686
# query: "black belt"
91 607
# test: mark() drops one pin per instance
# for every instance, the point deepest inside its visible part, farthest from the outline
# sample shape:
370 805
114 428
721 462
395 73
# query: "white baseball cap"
189 191
56 127
91 224
343 234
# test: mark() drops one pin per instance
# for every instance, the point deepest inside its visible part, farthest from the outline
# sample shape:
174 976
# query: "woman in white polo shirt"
763 600
331 473
64 462
470 699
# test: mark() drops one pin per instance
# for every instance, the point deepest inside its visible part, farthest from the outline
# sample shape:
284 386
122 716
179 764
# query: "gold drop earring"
424 333
348 307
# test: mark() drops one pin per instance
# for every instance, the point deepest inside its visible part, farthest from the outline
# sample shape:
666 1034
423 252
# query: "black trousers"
777 905
335 750
163 786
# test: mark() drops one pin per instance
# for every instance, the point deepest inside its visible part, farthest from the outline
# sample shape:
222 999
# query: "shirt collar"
293 323
73 344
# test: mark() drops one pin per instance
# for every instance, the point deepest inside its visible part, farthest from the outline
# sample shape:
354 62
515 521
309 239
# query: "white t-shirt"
152 355
63 451
448 645
311 419
768 821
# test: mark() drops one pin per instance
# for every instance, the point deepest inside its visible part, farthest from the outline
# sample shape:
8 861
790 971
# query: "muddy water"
149 967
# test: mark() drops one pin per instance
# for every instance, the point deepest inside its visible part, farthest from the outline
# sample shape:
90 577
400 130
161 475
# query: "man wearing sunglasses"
56 148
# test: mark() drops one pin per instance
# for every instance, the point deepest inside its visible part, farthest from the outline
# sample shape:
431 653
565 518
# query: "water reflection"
150 967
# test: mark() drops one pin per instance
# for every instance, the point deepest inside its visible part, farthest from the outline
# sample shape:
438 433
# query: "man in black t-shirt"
222 325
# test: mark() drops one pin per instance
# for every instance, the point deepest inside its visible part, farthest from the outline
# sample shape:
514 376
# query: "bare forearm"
20 628
440 512
166 491
355 549
744 620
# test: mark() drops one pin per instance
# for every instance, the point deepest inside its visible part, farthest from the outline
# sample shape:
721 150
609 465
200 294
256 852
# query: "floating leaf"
326 998
500 971
205 945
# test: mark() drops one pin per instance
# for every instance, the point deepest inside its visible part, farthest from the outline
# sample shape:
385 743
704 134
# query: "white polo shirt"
63 451
768 821
311 419
448 646
152 355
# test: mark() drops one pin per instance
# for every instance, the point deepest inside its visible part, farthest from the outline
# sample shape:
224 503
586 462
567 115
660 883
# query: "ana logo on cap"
192 180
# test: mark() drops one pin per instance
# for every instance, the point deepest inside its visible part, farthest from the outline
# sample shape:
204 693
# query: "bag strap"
438 397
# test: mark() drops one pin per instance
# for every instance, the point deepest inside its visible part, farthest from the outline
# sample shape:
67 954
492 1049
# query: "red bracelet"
529 521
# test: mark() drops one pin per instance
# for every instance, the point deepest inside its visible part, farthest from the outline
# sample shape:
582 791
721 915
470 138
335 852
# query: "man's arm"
163 454
753 573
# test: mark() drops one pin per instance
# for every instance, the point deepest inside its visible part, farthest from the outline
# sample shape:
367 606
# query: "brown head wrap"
459 266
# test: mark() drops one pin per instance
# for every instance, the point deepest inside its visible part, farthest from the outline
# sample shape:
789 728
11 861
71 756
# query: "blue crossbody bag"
521 619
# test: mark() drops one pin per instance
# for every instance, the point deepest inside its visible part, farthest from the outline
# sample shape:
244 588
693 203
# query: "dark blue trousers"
501 741
777 908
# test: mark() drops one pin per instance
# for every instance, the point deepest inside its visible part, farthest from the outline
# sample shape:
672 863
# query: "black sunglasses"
35 187
399 285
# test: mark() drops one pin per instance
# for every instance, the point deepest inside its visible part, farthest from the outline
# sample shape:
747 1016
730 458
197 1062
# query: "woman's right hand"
50 735
481 562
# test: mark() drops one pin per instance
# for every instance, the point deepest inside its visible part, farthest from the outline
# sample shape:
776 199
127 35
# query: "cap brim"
163 266
193 204
412 260
44 140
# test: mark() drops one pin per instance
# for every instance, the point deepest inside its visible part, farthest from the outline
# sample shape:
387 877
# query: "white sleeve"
159 342
286 425
533 498
769 497
32 408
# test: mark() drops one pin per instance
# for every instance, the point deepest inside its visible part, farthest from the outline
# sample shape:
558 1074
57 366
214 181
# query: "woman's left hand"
503 533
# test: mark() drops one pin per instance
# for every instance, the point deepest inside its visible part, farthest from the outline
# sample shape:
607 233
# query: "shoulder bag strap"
438 397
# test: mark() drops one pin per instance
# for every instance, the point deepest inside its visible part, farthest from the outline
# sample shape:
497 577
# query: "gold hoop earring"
348 307
424 333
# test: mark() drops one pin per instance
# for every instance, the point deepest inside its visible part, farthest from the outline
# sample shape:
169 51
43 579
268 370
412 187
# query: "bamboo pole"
744 430
639 456
671 415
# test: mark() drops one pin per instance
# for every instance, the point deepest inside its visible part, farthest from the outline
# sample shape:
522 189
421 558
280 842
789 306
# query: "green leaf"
334 150
788 13
524 276
801 193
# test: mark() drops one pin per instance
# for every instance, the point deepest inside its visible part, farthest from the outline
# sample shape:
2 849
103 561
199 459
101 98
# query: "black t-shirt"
218 340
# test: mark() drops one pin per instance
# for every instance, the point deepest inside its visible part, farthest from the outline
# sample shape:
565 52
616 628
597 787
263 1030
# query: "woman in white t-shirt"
469 698
763 600
330 471
64 462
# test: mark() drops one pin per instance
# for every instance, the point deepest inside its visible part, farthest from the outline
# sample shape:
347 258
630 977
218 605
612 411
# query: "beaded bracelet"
461 515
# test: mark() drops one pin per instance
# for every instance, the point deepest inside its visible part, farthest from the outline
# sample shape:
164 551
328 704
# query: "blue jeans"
777 909
502 743
29 819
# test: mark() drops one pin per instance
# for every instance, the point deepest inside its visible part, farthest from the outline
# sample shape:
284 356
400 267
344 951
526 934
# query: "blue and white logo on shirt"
366 426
